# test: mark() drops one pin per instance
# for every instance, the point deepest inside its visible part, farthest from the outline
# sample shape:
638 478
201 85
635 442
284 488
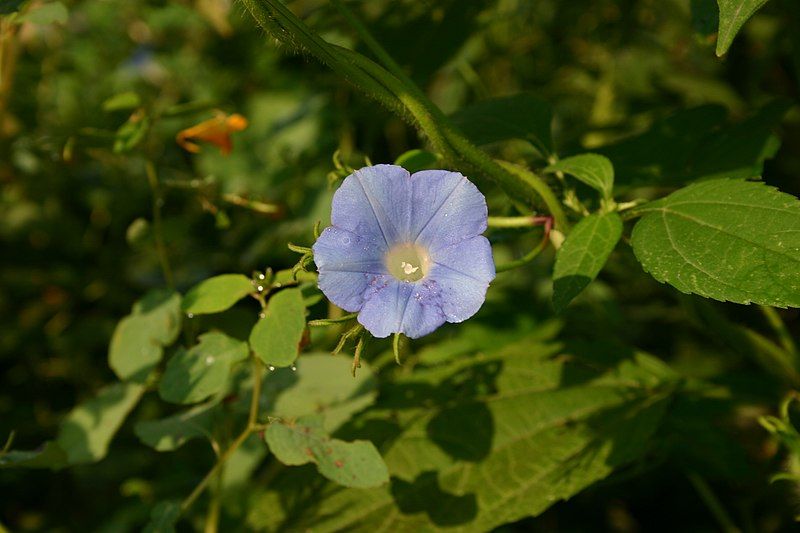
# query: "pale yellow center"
408 262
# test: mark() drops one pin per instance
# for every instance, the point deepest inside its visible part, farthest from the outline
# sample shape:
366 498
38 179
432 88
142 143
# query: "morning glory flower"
406 251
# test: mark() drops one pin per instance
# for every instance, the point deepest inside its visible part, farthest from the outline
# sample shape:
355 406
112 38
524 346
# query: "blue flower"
406 251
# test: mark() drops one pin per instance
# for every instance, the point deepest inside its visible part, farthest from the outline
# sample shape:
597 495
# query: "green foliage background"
639 404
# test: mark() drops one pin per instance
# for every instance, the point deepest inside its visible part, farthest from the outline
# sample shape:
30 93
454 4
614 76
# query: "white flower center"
407 262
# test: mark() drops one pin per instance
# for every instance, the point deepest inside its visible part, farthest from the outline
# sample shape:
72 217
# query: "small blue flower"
406 251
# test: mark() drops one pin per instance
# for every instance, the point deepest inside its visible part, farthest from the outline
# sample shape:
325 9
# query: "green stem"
712 502
514 222
158 223
252 418
542 189
524 260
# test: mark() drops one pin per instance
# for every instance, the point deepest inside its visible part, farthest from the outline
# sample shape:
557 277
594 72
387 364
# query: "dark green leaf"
88 429
583 255
202 371
351 464
522 116
725 239
732 16
594 170
138 341
275 339
217 294
168 434
697 143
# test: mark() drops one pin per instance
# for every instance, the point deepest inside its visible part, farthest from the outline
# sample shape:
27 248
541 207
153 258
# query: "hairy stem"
396 91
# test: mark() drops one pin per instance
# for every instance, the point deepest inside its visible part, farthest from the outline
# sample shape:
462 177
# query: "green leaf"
725 239
53 12
583 255
217 294
202 371
521 116
275 339
131 133
138 341
168 434
732 16
351 464
322 385
50 456
88 429
122 101
416 160
594 170
163 517
497 438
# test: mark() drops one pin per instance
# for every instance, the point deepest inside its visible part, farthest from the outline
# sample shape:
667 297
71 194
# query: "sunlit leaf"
351 464
88 429
122 101
315 388
138 341
583 255
725 239
195 374
216 294
275 339
594 170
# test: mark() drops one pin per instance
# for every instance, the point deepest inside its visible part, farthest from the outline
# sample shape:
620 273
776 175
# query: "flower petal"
401 307
461 274
347 264
445 208
375 202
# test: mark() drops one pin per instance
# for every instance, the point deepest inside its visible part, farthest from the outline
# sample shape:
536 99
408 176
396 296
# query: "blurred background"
76 205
